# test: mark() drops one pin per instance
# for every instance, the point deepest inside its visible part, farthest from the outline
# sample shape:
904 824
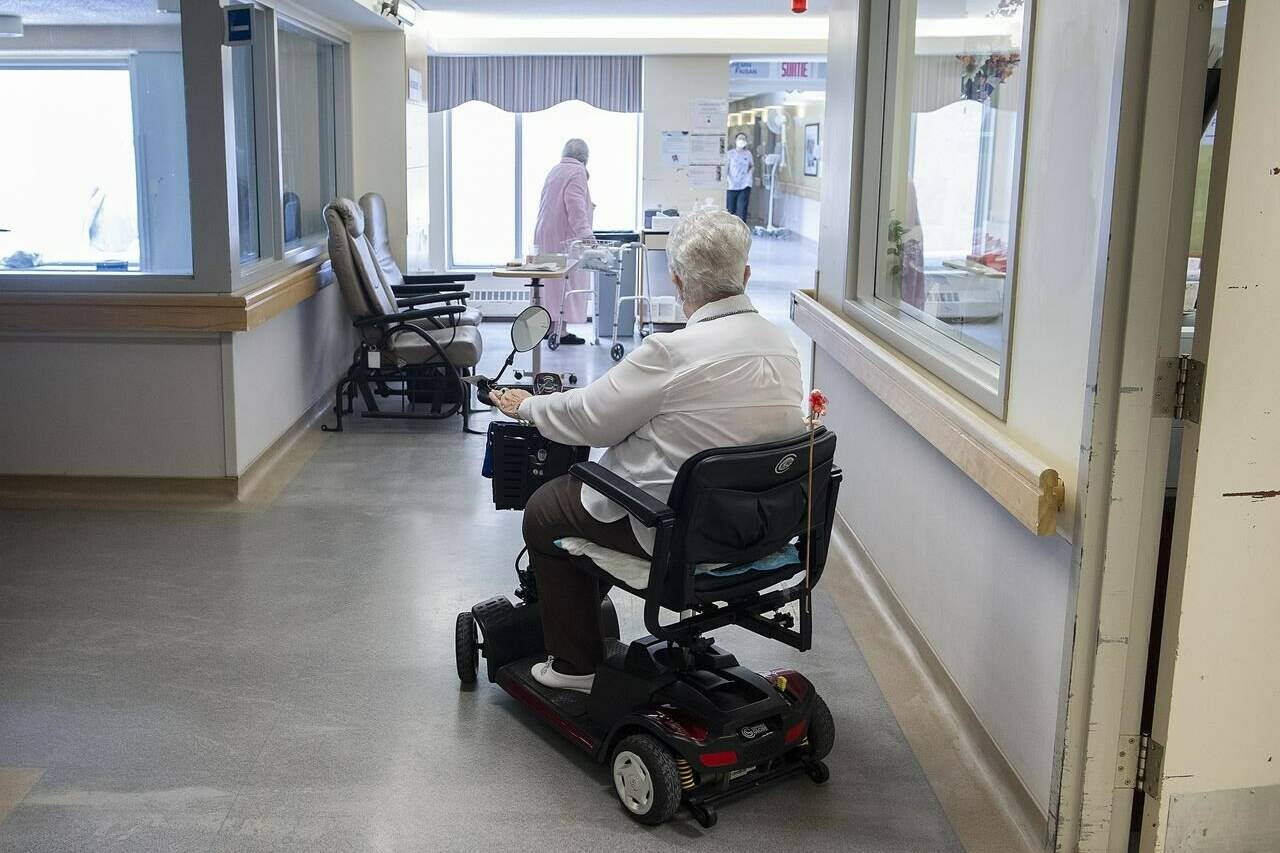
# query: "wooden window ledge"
238 311
1024 485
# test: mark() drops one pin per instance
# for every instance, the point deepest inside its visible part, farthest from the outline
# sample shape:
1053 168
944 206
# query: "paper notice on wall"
675 148
705 176
709 114
706 149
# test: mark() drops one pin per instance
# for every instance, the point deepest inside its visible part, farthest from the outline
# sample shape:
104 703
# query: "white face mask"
741 143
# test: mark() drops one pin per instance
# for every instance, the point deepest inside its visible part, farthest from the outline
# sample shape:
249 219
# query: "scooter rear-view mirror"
530 328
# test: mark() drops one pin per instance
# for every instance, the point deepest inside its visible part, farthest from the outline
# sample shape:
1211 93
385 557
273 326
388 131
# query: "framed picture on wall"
812 150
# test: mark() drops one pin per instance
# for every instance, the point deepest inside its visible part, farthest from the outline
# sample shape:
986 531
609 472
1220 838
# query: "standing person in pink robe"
565 214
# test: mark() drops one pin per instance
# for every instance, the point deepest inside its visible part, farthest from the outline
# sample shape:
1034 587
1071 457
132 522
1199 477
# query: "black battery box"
520 459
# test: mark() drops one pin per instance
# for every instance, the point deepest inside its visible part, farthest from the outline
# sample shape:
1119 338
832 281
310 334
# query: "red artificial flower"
817 404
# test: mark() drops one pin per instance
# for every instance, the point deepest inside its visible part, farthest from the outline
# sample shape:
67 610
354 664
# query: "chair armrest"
428 298
647 509
406 289
406 316
438 278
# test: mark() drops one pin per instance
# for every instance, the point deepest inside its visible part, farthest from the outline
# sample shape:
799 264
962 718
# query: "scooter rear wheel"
645 779
822 729
616 352
466 647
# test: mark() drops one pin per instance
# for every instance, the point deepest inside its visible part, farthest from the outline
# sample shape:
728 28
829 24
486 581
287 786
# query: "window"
482 179
289 114
499 160
613 139
941 179
308 139
243 106
93 164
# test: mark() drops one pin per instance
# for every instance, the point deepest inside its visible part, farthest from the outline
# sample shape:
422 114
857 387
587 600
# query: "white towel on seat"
634 571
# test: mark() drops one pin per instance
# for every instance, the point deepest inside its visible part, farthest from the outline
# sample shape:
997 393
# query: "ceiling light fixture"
10 26
403 11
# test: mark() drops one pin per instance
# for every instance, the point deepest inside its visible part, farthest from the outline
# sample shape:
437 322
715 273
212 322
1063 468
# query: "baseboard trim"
23 490
259 485
274 467
986 801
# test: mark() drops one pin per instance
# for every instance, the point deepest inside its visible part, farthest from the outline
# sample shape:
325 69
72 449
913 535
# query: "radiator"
498 303
504 303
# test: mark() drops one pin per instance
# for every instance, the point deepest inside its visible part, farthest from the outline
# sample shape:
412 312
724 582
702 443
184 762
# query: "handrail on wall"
1028 488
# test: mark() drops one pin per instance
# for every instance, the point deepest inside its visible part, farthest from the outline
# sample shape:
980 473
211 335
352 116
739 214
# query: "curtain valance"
527 84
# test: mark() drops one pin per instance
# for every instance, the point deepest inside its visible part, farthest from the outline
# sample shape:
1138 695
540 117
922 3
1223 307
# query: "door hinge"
1179 386
1139 762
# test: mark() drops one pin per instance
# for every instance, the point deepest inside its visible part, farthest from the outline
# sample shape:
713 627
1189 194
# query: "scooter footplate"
566 710
568 702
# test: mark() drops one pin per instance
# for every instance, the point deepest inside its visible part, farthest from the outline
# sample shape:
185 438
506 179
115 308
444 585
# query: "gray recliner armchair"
375 228
409 347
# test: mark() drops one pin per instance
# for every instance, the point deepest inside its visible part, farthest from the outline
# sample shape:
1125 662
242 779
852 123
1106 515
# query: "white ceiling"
614 9
86 12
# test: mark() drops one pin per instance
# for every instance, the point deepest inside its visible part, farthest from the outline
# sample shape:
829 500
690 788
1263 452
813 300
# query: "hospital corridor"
824 425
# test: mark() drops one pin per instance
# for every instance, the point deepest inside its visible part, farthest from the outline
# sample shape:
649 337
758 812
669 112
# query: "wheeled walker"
673 716
605 257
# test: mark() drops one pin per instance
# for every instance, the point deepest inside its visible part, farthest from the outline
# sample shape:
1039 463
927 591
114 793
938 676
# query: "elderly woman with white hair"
565 213
730 377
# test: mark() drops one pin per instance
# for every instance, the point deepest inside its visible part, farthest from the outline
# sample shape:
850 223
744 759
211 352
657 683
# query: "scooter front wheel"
616 352
553 341
466 647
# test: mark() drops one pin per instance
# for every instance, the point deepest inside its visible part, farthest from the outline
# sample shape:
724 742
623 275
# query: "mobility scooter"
676 719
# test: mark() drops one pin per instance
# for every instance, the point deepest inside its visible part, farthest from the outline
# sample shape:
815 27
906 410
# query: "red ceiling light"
799 6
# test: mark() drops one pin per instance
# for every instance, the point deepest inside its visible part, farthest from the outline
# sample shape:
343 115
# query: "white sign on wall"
706 149
675 148
709 114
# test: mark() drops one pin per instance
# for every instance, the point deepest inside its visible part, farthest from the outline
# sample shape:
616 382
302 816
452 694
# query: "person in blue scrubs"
741 170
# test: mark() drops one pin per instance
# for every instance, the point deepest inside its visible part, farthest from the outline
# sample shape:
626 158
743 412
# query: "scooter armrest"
646 509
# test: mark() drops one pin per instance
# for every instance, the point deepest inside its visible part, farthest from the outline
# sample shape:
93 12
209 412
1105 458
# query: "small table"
535 278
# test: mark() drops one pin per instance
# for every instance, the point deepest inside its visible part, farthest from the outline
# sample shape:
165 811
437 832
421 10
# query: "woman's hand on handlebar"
508 400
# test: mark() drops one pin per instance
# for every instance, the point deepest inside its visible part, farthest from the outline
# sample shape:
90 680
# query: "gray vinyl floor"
281 679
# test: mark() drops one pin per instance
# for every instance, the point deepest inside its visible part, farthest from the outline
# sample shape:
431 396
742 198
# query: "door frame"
1215 698
1124 444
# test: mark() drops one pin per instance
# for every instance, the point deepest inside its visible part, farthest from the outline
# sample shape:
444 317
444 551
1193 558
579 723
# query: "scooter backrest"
735 505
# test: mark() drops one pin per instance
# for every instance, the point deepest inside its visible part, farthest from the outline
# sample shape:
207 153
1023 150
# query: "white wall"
781 34
670 85
418 165
164 36
112 405
280 369
799 213
990 598
142 405
201 405
379 88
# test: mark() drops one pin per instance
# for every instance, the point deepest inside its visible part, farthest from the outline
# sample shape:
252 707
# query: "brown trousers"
570 588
